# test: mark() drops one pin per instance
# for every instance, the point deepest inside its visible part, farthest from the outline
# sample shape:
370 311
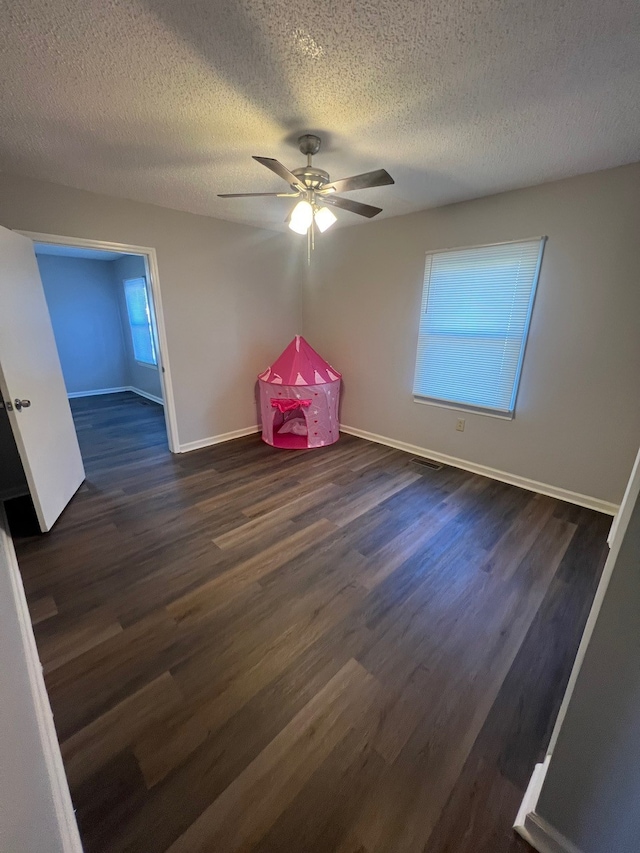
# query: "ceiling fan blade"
281 170
254 195
367 210
379 178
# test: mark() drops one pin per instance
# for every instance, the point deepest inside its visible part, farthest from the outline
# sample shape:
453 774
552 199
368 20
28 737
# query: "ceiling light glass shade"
301 217
324 218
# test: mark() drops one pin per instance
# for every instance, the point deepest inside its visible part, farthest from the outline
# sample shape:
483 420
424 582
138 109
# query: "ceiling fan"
315 189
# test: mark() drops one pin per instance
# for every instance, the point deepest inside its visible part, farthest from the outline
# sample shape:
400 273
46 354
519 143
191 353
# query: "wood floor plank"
42 608
328 651
357 507
456 711
415 536
519 724
248 571
109 672
106 736
343 781
179 735
271 781
507 553
308 499
225 754
64 642
242 534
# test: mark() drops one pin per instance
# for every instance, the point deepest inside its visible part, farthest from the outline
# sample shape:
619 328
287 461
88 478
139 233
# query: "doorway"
106 312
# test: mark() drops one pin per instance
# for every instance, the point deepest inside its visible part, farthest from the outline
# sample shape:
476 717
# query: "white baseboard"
146 395
72 395
530 799
544 838
534 829
217 439
485 471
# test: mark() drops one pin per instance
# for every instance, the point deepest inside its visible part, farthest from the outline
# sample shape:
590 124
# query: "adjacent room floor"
337 650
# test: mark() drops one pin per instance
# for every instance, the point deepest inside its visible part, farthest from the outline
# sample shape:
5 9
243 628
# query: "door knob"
21 404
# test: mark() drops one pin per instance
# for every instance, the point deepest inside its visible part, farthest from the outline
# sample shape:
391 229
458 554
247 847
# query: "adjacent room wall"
85 313
578 414
91 325
230 292
142 377
592 787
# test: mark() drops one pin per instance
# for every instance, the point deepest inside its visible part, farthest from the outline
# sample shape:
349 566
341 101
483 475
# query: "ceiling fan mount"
314 188
309 144
312 177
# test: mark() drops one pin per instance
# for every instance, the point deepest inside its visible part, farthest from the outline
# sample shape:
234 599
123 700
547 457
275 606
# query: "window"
135 293
476 307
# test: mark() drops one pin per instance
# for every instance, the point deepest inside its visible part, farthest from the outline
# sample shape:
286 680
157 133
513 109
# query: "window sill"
144 364
459 407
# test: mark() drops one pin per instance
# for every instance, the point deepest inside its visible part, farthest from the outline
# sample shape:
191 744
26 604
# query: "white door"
30 371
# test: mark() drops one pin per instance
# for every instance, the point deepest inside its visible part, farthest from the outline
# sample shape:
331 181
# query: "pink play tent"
299 396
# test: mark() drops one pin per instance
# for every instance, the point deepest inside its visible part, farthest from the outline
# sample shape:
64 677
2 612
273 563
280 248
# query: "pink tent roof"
299 364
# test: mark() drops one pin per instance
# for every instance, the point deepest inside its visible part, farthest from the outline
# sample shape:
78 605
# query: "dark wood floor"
331 650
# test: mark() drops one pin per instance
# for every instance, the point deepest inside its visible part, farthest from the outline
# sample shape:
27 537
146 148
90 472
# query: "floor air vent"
427 463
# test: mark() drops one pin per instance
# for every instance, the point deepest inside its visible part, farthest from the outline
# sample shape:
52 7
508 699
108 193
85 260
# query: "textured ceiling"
165 101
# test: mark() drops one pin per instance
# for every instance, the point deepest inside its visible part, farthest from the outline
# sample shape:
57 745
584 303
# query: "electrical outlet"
460 424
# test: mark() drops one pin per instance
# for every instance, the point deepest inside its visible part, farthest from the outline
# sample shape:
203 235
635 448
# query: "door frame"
153 278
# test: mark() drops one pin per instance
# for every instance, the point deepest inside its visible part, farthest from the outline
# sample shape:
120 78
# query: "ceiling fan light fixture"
324 218
301 217
313 186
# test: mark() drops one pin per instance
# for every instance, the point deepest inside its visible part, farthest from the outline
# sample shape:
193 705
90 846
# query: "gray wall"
143 377
85 313
28 793
231 300
592 787
230 292
578 415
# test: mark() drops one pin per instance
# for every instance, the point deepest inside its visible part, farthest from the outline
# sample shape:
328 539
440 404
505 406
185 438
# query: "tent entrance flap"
290 428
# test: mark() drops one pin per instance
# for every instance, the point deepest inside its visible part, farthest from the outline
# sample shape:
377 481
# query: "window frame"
151 365
488 411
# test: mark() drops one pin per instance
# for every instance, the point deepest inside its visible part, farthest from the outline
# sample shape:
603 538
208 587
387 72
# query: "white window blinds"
135 291
476 307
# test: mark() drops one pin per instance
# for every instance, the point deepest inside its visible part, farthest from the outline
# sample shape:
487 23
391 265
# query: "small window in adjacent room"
476 308
144 349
